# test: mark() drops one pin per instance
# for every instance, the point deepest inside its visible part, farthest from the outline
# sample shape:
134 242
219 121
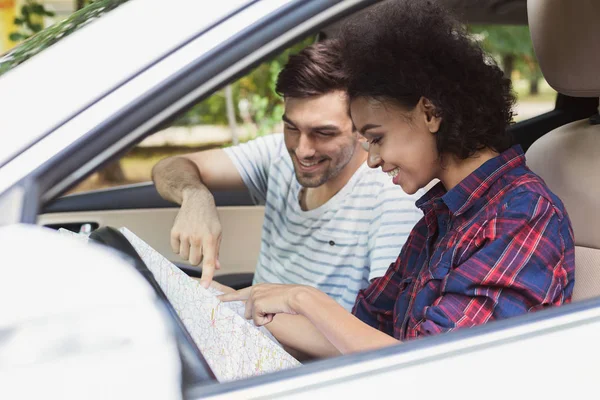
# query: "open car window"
257 110
243 110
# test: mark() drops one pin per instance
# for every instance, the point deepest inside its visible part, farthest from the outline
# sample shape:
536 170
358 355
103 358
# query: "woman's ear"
432 120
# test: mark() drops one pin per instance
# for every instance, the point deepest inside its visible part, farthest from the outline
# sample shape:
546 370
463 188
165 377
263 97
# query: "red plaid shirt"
499 244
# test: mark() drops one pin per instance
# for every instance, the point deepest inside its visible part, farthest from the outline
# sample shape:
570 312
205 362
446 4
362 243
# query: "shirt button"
331 243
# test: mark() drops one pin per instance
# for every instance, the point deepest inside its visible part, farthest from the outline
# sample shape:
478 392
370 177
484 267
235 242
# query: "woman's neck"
455 170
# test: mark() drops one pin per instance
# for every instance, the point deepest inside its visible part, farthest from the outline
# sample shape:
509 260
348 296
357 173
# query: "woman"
494 242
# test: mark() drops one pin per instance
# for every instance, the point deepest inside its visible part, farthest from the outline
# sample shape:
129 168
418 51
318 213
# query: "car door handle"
77 227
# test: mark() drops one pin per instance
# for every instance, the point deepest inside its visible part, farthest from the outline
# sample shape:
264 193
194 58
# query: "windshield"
56 32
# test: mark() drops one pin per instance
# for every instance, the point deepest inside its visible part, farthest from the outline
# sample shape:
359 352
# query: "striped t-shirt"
338 247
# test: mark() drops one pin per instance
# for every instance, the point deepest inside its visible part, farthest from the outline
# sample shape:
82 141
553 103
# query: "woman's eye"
375 141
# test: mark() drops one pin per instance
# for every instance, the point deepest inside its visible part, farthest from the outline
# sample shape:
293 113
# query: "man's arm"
188 180
204 170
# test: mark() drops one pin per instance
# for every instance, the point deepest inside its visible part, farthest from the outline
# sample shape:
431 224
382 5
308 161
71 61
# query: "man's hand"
196 233
265 300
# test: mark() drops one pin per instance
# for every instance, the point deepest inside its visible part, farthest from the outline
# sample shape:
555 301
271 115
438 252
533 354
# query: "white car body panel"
512 363
103 51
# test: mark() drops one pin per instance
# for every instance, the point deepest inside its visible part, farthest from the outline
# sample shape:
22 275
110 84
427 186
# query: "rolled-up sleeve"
253 160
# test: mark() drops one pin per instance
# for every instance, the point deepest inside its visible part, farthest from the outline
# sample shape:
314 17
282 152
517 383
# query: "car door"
141 209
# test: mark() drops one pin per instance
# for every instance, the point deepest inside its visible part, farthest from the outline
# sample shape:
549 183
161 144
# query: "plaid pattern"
499 244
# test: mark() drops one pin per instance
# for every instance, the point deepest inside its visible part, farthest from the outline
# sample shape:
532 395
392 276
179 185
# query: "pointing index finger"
239 295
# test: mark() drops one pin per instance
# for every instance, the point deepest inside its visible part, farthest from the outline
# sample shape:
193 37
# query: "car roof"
46 90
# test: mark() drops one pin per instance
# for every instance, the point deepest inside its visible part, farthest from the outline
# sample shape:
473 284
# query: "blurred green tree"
30 21
511 46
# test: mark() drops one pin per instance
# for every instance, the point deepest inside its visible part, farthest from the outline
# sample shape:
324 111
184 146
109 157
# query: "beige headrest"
566 39
568 159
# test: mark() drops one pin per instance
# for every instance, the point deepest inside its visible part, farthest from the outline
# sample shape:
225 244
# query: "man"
330 221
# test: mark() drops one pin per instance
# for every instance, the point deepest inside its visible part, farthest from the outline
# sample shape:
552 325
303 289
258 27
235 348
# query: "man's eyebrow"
329 127
365 128
287 120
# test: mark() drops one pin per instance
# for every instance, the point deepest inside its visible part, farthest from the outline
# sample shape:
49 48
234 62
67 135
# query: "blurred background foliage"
512 49
254 94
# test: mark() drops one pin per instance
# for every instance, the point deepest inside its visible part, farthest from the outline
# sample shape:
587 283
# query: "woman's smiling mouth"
393 173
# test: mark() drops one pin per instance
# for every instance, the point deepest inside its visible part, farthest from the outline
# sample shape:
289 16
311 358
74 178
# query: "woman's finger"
249 309
239 295
261 318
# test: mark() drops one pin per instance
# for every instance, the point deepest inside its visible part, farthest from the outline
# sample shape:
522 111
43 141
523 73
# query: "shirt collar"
474 186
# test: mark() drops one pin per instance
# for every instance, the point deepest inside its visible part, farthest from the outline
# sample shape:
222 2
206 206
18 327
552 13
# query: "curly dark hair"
405 50
316 70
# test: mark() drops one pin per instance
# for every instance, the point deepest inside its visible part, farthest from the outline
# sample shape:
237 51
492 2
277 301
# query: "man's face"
319 137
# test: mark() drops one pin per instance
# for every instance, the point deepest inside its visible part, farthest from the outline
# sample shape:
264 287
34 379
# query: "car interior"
567 158
140 208
562 146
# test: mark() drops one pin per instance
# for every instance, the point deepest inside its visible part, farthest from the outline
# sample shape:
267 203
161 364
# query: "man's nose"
374 160
305 147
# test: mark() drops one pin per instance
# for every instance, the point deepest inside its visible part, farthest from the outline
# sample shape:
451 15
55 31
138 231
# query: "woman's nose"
373 160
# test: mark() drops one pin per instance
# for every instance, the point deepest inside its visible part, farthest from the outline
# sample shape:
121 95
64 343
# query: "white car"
77 321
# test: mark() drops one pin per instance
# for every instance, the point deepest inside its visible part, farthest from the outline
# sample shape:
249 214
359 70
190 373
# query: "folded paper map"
233 346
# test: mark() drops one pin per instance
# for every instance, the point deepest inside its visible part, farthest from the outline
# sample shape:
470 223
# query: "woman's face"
401 142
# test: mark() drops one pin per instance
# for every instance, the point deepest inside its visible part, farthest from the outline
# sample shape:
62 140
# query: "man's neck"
311 198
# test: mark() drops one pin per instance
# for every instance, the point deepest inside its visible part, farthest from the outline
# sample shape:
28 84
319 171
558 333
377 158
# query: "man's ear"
432 120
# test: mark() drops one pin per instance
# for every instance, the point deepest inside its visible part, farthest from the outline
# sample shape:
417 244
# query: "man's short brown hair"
316 70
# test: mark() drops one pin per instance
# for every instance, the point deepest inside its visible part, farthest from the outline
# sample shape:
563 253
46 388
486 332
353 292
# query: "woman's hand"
316 324
265 300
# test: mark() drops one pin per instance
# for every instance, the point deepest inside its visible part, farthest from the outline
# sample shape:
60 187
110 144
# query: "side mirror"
78 322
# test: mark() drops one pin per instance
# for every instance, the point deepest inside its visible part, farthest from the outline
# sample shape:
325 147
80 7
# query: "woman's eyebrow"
365 128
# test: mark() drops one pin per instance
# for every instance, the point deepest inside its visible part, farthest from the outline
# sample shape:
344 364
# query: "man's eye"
327 134
291 128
